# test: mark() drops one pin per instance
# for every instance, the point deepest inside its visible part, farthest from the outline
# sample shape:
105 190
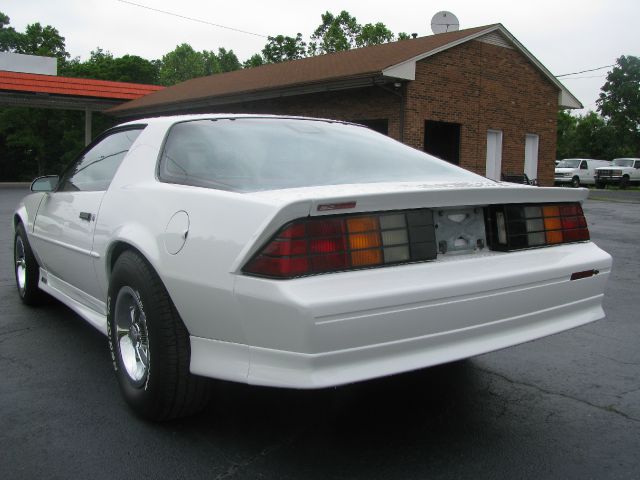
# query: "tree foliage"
616 131
184 63
588 136
282 48
336 33
254 61
45 41
371 34
619 100
102 65
9 38
227 61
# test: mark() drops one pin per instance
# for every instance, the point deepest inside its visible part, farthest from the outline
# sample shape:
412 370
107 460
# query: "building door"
442 139
531 156
494 154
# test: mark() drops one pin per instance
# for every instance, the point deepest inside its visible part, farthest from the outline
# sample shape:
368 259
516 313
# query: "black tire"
624 182
166 389
575 182
600 185
26 269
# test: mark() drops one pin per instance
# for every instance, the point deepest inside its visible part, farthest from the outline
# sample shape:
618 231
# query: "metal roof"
49 91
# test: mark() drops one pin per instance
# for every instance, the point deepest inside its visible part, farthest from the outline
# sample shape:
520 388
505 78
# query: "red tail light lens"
317 245
513 227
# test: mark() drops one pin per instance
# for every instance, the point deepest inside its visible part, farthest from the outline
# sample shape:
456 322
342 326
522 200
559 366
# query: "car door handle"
86 216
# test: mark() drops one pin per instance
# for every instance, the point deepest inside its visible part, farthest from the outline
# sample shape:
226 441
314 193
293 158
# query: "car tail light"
333 243
517 226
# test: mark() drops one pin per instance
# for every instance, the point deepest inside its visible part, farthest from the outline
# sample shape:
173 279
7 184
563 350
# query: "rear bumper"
334 329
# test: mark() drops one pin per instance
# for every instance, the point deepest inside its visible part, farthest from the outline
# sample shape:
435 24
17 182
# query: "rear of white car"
318 328
300 277
308 253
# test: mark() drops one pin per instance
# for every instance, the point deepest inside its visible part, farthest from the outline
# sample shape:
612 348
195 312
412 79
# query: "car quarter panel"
200 276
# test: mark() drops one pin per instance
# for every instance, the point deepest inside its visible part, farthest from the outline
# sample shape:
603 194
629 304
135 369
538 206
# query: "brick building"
474 97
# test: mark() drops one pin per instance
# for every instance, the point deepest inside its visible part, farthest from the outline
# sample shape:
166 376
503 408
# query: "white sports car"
295 252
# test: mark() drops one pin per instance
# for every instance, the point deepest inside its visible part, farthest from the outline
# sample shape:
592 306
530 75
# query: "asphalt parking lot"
566 406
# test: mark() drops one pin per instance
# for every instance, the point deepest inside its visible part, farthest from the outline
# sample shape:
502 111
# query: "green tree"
619 101
9 38
183 63
371 34
228 61
132 68
45 41
102 65
593 137
211 62
588 136
254 61
223 61
566 138
282 48
403 36
336 33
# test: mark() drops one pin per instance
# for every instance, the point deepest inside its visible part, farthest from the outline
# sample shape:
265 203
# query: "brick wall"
478 85
481 87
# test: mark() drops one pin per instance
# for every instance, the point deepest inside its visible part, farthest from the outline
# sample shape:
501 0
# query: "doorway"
442 139
494 154
531 156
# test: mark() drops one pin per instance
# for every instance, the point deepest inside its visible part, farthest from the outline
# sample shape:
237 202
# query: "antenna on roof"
444 22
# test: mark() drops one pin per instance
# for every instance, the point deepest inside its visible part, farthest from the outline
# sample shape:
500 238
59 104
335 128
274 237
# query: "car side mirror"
48 183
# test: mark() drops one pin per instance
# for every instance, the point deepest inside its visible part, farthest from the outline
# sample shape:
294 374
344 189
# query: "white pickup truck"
622 172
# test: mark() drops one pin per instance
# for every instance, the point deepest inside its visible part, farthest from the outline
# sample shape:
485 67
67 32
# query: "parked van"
577 171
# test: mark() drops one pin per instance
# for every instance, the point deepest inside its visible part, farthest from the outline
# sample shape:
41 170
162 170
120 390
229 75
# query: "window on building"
442 139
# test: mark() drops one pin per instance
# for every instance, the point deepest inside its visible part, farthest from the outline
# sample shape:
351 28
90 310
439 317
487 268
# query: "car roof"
170 119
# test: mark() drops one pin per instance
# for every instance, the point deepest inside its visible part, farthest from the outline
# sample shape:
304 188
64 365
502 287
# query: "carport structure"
66 93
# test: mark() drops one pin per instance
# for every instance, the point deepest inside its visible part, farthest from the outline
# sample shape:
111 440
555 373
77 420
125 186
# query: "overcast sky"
565 35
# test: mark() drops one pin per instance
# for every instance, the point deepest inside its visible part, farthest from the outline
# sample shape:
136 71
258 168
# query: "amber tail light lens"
518 226
327 244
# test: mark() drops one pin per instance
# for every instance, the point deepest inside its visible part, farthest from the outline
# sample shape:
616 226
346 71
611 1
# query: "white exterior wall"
17 62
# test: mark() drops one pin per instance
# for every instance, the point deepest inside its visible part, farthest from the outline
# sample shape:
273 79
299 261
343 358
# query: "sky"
565 35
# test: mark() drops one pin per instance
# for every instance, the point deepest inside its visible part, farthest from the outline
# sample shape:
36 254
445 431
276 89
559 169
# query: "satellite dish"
444 22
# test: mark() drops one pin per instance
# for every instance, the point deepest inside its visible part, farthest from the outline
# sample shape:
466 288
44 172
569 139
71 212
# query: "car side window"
96 167
583 166
637 163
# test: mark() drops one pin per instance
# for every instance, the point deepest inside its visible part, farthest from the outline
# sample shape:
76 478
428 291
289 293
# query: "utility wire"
192 19
586 76
583 71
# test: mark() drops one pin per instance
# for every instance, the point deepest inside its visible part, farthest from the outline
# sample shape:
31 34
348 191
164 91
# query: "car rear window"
252 154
